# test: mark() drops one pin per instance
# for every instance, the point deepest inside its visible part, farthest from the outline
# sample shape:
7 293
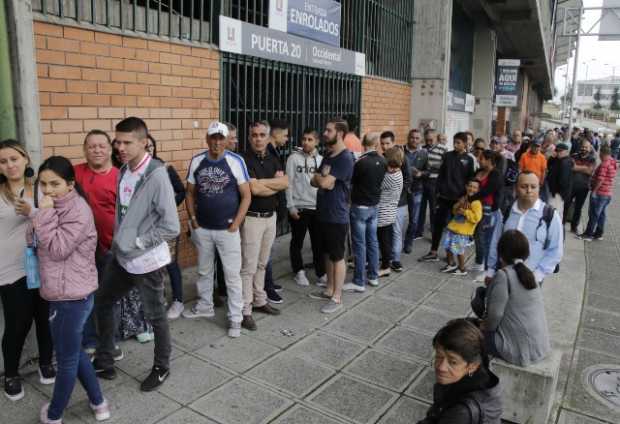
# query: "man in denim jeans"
146 218
218 196
368 174
418 164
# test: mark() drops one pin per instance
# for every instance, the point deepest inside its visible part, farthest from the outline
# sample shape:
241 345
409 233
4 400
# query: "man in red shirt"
600 196
97 178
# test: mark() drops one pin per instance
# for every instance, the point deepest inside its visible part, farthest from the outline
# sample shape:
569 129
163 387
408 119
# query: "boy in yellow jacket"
466 214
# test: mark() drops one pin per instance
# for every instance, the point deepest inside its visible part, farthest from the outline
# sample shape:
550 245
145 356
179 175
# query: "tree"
597 98
615 100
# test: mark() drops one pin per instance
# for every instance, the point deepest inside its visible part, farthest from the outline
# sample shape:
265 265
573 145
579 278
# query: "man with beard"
333 180
585 162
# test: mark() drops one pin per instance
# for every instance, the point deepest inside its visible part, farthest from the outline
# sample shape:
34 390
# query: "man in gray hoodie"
146 218
301 204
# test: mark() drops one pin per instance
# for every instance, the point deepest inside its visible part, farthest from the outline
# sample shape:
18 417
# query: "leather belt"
260 214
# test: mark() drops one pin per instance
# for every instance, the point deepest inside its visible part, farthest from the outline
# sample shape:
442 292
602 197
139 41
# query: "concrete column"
431 62
25 83
483 80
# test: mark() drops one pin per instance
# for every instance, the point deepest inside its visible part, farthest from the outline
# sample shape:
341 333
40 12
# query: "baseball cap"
537 141
561 146
216 127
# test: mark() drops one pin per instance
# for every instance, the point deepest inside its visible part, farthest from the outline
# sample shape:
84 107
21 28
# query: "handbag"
31 266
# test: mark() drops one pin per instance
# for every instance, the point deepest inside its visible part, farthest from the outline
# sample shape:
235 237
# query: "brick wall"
90 79
385 106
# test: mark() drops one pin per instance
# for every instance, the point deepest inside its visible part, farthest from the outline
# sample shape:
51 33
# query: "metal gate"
258 89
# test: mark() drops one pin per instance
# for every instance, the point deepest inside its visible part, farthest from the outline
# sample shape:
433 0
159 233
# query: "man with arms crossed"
259 229
333 180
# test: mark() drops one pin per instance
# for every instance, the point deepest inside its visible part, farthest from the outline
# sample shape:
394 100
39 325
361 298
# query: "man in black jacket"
456 169
559 178
368 174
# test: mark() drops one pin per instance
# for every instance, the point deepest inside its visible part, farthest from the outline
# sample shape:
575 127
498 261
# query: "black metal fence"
258 89
382 29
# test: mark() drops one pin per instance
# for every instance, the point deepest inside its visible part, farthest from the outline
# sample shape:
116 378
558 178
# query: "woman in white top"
20 305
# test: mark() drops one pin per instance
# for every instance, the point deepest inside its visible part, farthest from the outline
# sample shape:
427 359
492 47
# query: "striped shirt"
391 187
435 158
605 174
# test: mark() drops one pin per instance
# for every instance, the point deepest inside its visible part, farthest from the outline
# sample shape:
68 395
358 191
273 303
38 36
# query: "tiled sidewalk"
367 364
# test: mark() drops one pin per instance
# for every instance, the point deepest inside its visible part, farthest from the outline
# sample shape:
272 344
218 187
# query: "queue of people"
105 235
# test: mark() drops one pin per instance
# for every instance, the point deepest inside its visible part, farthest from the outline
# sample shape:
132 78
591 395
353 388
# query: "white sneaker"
322 282
175 310
301 279
234 329
374 283
101 412
384 272
480 278
352 287
196 312
476 267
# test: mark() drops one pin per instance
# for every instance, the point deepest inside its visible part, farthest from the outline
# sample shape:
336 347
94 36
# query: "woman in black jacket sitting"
466 391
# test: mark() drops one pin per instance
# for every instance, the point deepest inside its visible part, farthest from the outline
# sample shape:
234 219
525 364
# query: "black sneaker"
248 323
397 266
267 309
107 373
274 297
429 257
155 379
407 250
277 288
13 388
117 353
47 374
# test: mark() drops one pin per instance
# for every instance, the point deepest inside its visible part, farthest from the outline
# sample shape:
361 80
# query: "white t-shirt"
157 257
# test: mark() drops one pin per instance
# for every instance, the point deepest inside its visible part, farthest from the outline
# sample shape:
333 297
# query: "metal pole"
574 87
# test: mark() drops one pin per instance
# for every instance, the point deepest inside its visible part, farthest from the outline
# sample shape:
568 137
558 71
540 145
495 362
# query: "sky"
597 59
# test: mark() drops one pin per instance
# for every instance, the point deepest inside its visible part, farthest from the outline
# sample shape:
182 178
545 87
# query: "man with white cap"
218 197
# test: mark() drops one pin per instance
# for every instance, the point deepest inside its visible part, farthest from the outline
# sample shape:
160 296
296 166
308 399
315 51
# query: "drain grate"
603 383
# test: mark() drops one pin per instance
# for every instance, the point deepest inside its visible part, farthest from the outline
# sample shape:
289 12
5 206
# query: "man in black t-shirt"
258 232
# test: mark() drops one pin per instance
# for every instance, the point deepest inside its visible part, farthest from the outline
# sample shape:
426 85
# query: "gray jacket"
151 217
300 168
517 317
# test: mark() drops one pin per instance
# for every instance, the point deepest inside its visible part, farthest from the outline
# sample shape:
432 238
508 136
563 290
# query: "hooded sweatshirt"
151 218
300 168
481 391
66 243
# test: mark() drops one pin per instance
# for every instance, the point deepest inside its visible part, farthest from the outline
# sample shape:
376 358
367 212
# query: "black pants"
21 306
442 215
307 222
429 197
385 236
579 196
117 282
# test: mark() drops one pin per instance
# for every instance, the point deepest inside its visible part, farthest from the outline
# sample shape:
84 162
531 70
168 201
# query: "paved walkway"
367 364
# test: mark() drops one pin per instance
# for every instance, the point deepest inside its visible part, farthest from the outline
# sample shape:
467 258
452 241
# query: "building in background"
597 91
456 48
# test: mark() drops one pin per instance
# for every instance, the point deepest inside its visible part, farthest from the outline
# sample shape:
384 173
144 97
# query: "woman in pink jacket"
66 241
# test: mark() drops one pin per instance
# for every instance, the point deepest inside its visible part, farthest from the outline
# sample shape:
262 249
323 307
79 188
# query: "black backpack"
547 217
511 173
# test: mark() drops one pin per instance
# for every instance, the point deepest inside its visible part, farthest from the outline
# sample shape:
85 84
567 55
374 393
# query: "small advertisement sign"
506 82
318 20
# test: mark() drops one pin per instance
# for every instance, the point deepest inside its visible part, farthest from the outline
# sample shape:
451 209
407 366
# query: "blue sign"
318 20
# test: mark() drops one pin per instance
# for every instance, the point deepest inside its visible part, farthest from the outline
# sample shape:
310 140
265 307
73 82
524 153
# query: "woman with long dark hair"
66 239
20 305
466 391
513 320
491 183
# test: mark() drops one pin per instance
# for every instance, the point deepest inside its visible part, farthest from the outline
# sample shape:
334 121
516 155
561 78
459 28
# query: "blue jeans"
67 319
414 201
365 243
483 235
597 215
397 233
